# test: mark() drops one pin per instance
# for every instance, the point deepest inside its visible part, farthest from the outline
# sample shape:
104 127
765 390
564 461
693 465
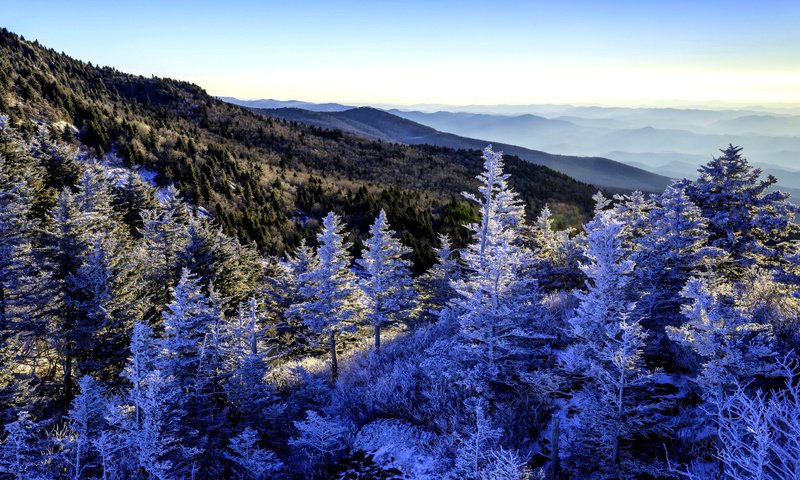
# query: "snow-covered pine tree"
606 355
389 294
22 288
109 302
86 420
189 322
19 453
164 236
67 240
746 217
473 447
497 301
732 347
330 293
673 251
251 397
250 461
436 284
556 256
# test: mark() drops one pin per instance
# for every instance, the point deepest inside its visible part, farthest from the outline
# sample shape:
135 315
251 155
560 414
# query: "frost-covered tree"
67 241
389 294
556 254
732 348
673 251
19 454
156 444
497 302
436 284
250 461
321 438
606 354
633 210
246 365
109 301
141 362
86 420
747 218
165 234
330 294
188 359
757 432
21 283
474 447
188 320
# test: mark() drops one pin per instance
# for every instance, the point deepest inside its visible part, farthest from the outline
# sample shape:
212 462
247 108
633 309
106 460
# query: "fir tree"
497 302
747 219
388 291
607 353
331 296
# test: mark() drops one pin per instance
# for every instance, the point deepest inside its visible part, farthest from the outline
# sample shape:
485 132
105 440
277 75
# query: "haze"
710 53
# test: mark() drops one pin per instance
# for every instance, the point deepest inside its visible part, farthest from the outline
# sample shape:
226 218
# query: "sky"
613 52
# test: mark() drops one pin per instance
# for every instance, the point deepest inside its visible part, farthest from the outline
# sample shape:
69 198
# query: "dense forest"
146 332
264 180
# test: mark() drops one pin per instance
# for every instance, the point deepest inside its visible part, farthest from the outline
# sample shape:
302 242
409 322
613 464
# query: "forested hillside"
262 179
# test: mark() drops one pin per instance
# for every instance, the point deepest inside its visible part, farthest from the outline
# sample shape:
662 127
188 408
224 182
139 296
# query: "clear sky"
634 52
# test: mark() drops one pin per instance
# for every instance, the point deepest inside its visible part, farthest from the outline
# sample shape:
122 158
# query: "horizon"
621 53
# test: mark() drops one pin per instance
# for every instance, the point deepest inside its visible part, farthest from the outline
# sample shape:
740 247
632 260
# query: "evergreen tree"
164 236
330 294
747 218
556 255
252 462
732 348
607 354
189 323
497 301
86 419
22 287
436 284
389 294
673 251
109 302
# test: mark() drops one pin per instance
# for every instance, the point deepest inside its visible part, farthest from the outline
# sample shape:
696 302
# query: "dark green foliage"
260 177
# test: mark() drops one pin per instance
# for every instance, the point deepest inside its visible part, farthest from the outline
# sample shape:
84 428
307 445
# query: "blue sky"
451 52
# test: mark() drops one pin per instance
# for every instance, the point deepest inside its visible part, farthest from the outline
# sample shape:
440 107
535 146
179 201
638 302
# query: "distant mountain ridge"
263 180
381 125
270 103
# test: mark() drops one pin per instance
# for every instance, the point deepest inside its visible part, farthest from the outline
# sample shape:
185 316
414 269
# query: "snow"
397 444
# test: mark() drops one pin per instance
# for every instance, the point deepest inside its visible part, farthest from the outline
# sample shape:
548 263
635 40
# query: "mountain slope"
265 180
381 125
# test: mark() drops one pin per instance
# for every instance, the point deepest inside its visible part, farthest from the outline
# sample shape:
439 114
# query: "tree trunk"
68 377
377 337
555 441
334 365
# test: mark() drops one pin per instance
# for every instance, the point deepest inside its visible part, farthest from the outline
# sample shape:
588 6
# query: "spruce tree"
389 294
330 292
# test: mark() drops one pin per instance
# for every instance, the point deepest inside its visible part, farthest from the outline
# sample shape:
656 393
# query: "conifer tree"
668 256
436 284
497 302
607 353
748 219
389 294
330 293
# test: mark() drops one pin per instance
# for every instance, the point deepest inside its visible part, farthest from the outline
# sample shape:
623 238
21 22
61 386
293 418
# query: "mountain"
264 180
380 125
269 103
648 138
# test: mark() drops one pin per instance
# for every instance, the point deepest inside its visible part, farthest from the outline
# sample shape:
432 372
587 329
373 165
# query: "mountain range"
264 180
381 125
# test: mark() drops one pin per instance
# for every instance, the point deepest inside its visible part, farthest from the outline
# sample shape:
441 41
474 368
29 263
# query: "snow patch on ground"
400 445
